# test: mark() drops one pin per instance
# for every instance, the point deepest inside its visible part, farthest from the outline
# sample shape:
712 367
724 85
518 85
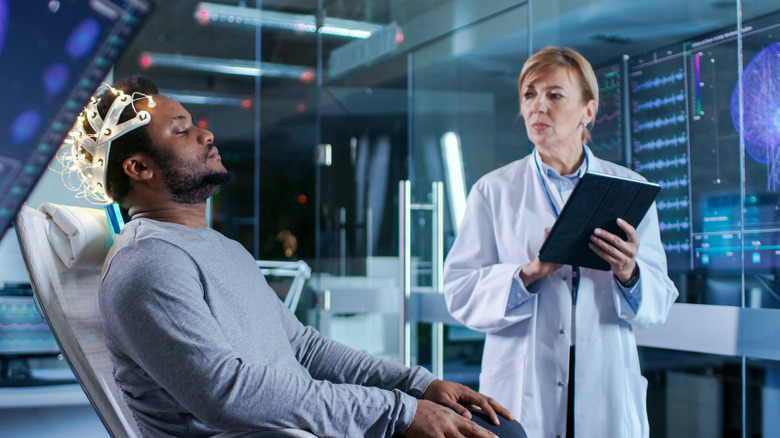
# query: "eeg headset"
87 149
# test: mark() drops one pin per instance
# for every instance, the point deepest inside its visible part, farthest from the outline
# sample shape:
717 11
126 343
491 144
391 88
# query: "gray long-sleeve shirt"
201 344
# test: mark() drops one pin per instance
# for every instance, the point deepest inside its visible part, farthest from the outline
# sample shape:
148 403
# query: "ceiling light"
217 13
206 98
455 180
225 66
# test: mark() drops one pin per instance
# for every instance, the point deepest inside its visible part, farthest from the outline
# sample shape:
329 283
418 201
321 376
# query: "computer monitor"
53 55
24 335
23 331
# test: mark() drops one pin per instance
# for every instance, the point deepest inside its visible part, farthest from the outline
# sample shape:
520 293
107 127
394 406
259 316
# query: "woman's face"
554 112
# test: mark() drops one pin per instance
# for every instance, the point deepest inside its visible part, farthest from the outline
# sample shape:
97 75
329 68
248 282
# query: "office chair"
63 248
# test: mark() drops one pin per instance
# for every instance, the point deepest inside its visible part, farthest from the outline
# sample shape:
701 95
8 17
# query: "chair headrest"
79 236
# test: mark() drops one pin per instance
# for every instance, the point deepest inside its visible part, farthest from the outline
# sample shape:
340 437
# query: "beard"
187 186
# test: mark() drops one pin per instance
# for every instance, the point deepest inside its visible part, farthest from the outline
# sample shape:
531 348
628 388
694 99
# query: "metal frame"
436 207
299 270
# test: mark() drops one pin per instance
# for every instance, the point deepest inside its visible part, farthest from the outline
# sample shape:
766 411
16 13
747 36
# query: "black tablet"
597 201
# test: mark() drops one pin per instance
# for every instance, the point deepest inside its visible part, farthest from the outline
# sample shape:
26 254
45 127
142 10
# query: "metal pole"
342 241
437 268
405 280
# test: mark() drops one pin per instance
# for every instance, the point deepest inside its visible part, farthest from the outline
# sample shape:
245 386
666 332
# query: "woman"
535 313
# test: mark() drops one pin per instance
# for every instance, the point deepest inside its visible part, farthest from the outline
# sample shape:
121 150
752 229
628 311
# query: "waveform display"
22 329
606 145
673 204
608 126
677 246
677 225
660 122
660 164
674 183
659 102
661 143
659 81
606 118
26 327
27 344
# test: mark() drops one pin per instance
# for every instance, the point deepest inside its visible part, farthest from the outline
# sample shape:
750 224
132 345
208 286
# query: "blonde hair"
552 58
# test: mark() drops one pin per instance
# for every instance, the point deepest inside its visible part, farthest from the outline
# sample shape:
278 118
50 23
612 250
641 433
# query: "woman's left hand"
619 253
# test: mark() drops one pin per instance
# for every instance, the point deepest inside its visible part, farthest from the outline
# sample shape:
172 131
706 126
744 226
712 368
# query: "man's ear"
138 167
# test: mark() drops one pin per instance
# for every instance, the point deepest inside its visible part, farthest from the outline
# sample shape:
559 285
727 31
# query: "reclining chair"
63 248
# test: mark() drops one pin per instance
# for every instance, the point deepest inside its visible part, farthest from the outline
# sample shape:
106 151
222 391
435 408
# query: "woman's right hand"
537 269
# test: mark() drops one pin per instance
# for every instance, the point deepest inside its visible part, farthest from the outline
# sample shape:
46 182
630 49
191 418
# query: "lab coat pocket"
636 406
505 382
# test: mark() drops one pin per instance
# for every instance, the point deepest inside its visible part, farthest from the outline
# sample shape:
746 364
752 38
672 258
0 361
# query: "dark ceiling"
459 38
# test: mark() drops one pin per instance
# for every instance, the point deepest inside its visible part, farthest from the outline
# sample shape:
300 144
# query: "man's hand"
435 421
455 396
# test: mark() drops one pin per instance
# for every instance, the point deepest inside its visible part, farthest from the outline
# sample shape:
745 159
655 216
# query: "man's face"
191 166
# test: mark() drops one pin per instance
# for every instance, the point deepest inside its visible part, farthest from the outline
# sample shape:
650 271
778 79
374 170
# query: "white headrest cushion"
80 236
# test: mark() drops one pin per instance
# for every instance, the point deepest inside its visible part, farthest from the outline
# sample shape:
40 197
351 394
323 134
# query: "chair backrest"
64 248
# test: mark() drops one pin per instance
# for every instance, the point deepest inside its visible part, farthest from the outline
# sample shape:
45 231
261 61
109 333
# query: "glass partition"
463 125
360 156
754 118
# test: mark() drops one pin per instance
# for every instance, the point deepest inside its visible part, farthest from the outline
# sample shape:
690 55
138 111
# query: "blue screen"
53 56
719 208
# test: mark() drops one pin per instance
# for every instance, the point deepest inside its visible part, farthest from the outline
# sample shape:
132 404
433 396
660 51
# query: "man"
200 343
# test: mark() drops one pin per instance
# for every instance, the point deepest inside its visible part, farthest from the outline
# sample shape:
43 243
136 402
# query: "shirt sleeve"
162 323
329 360
633 294
519 294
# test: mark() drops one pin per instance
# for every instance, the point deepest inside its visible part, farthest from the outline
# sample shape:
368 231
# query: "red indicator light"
145 61
203 17
307 76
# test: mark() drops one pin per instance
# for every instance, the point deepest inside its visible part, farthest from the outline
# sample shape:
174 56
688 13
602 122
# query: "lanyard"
544 180
575 270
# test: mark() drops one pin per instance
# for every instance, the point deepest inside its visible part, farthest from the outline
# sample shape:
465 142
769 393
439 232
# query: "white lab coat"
525 360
